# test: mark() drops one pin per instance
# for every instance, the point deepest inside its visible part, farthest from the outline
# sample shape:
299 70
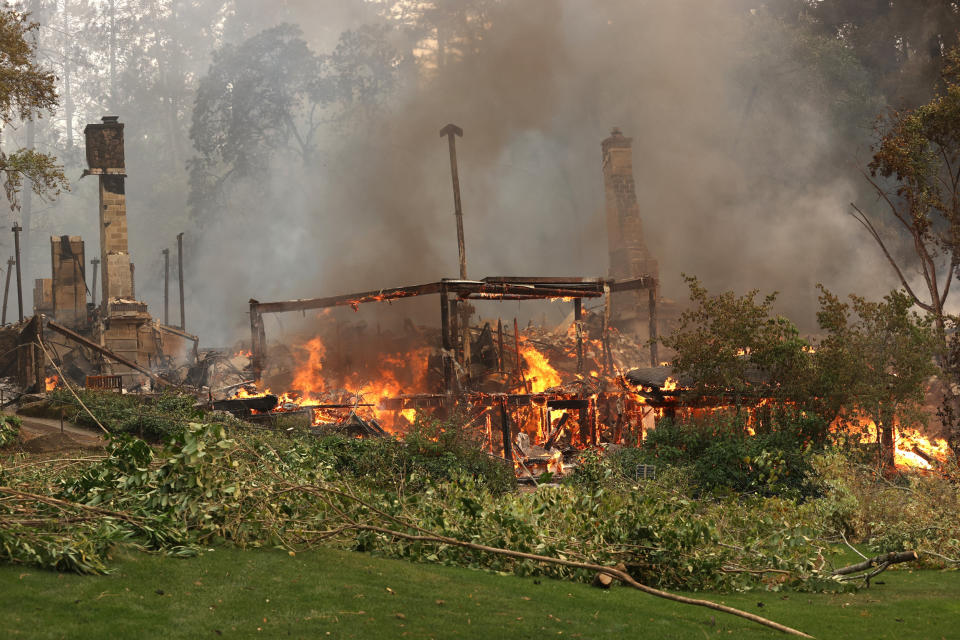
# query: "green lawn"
332 594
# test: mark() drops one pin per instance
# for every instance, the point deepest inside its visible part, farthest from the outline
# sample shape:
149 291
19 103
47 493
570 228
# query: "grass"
335 594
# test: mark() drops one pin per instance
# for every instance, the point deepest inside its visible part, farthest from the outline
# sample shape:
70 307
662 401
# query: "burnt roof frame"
493 288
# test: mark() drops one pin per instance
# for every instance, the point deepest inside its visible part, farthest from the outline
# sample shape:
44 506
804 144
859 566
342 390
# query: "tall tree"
915 172
27 91
902 42
874 360
259 98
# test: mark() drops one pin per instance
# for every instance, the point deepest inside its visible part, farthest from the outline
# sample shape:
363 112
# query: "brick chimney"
105 159
629 257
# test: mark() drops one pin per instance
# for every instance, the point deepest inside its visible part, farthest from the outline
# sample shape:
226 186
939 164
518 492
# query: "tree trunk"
887 448
113 55
67 93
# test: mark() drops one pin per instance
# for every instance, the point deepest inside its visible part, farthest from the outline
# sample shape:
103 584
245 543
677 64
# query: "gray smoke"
743 172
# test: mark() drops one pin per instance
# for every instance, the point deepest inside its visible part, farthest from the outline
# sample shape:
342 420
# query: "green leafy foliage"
722 456
153 419
872 361
9 430
26 91
734 344
255 489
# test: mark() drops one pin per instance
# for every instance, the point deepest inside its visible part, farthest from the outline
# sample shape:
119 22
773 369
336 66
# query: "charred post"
577 315
257 342
6 290
445 345
652 301
16 244
451 131
166 287
499 345
505 431
93 294
183 321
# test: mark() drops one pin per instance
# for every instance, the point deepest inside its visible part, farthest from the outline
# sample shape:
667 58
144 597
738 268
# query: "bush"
153 418
9 430
724 457
432 451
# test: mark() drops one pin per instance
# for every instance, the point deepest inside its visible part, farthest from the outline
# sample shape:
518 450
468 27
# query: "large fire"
331 397
580 399
912 449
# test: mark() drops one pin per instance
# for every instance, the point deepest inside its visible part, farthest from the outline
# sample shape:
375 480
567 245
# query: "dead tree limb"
874 566
622 576
325 493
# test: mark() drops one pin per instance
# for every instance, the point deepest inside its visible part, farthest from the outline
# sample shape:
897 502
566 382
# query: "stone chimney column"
105 158
629 257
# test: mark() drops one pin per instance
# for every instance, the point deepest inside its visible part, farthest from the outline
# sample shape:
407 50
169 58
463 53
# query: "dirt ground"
42 435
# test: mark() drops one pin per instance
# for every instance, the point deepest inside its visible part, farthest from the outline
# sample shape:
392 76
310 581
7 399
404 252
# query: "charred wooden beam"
544 280
258 343
348 300
244 405
527 287
177 332
653 327
445 340
467 289
505 431
641 282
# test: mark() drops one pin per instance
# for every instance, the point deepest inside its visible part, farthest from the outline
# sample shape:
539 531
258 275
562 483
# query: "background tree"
915 172
874 361
259 98
26 91
902 43
735 344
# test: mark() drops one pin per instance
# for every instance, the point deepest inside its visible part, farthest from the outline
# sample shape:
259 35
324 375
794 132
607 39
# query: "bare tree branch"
865 221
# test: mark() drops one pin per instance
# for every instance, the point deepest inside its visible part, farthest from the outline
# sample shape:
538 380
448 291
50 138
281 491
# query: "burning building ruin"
115 343
534 393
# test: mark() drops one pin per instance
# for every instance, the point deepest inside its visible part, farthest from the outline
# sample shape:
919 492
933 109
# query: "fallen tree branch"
622 576
939 555
63 378
881 562
324 492
65 504
852 548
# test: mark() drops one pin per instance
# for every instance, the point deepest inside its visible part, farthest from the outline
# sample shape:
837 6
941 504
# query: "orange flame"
555 463
540 374
912 449
307 378
52 382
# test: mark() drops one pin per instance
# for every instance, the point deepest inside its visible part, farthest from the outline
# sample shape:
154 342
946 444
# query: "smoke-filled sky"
744 176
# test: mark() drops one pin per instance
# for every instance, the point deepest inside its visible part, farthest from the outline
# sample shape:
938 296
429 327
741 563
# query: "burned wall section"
43 296
68 287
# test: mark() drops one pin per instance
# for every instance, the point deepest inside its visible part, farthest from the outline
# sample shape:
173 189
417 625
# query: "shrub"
432 451
723 456
153 418
9 430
